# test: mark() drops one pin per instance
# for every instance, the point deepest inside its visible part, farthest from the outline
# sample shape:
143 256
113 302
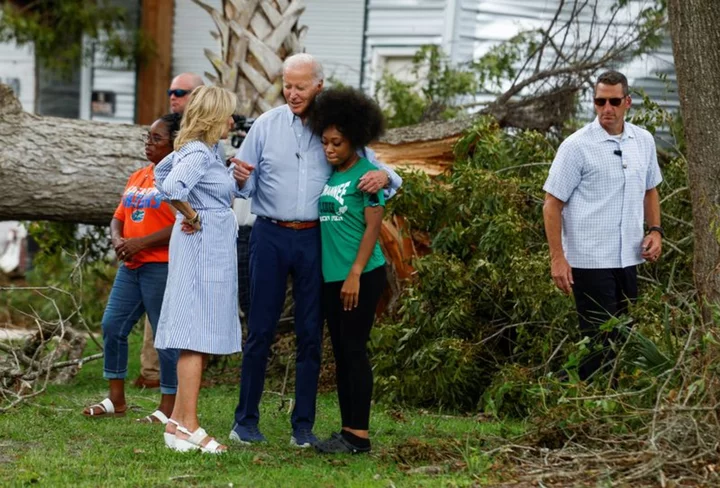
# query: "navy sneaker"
246 434
303 438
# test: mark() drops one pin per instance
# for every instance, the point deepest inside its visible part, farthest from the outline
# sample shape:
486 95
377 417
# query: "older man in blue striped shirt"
601 187
282 166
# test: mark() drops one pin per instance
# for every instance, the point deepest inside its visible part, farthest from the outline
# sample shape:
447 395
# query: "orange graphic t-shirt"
143 213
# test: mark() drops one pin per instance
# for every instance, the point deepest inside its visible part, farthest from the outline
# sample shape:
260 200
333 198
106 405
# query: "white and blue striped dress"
200 307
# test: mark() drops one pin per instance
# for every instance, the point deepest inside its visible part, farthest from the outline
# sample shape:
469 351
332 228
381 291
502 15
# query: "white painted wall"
396 29
118 79
335 37
17 68
191 35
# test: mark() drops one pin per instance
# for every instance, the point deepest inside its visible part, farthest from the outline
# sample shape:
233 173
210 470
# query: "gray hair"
303 59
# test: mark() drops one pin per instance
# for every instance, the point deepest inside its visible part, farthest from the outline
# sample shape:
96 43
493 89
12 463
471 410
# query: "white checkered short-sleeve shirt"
603 180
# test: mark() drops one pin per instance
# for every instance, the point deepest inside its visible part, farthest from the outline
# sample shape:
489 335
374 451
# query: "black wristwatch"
657 229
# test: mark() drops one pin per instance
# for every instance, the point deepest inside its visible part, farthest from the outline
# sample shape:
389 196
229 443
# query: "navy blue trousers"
276 253
243 255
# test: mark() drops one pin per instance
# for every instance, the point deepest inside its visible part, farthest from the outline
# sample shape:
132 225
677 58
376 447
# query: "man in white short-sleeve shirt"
601 188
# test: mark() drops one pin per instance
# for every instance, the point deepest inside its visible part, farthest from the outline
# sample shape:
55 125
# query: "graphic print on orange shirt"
143 213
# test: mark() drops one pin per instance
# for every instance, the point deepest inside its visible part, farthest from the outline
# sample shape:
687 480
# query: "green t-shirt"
342 221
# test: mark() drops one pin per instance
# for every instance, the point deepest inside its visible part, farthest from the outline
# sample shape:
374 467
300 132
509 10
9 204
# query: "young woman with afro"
352 263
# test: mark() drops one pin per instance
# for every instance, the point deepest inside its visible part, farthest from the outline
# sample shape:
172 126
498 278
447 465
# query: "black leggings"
349 332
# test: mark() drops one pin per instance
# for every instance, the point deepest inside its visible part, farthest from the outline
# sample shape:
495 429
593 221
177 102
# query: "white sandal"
109 410
157 414
169 437
194 442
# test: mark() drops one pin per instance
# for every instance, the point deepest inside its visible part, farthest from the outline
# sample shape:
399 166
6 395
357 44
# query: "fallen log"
63 169
74 170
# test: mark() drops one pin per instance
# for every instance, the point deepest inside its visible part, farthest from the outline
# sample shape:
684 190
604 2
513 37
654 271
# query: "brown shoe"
142 382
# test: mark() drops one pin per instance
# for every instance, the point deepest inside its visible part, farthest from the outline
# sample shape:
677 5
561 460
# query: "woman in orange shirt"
140 231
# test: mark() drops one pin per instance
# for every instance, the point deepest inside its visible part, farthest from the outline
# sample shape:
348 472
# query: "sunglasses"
178 93
615 102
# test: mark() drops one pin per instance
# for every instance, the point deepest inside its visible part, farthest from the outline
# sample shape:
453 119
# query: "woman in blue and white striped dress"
199 312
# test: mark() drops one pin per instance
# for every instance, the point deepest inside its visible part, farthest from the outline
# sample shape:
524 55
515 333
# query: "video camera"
241 127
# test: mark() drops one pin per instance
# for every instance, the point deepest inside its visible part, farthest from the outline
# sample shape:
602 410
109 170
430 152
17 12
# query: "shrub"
482 322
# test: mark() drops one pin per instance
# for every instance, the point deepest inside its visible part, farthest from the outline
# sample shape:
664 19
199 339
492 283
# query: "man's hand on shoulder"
374 181
241 171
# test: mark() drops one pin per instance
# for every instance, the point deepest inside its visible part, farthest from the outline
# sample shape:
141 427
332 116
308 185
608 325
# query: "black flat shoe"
337 444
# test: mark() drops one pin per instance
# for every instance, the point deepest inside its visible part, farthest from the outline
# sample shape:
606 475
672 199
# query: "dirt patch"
9 451
416 452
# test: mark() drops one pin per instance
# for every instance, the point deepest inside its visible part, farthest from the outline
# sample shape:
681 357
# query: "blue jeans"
136 291
275 253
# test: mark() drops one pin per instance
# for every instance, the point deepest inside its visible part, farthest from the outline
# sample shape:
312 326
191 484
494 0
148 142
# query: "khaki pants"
149 363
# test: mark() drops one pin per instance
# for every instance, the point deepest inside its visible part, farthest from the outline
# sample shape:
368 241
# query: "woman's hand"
190 226
129 248
350 293
117 241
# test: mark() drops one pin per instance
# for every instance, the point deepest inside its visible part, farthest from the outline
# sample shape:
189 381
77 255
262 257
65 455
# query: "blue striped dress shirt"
603 179
290 167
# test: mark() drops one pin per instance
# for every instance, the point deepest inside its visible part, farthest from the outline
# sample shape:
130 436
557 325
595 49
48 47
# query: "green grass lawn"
49 443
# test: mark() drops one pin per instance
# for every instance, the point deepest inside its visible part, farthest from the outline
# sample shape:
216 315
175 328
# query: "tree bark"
63 169
696 49
75 170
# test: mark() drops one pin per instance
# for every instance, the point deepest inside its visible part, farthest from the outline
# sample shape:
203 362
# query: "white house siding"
17 69
111 77
485 23
467 29
396 29
119 80
334 36
191 36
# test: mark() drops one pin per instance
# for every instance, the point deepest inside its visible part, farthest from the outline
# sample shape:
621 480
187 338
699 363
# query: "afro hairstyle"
357 116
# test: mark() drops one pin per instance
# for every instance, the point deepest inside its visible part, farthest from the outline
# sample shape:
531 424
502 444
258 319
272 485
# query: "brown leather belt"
295 224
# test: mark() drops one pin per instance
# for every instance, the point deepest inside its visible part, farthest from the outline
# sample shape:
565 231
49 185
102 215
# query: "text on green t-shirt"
342 221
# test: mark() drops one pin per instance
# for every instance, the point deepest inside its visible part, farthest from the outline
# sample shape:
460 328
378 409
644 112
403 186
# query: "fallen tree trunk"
75 170
62 169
